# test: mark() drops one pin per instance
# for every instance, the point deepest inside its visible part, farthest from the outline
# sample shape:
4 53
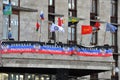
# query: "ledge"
18 8
24 9
55 14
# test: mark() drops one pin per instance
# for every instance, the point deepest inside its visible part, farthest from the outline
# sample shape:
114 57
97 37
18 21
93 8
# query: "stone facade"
28 21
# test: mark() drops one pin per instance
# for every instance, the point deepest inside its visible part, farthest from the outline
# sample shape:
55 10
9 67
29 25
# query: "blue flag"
110 27
42 15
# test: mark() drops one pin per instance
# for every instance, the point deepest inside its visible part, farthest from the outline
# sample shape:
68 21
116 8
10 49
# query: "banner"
57 49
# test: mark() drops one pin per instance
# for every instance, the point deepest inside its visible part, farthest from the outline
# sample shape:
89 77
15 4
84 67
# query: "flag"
55 27
73 21
60 21
42 15
110 27
97 25
7 9
37 26
86 29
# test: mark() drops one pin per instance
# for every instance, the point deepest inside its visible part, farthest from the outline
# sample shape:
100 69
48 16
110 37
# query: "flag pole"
40 31
81 40
91 37
104 37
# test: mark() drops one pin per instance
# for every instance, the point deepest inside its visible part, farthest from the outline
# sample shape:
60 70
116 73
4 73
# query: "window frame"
94 6
93 14
114 8
72 12
114 19
51 18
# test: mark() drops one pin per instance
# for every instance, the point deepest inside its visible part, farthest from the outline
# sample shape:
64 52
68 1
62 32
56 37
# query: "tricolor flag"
37 26
110 27
86 29
42 15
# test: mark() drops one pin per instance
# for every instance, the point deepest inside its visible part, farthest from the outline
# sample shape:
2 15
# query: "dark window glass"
114 13
113 8
72 29
51 18
93 6
93 14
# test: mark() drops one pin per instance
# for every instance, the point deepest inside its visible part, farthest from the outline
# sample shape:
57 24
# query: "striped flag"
42 15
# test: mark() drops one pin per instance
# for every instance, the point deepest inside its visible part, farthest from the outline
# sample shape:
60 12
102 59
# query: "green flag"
72 21
7 9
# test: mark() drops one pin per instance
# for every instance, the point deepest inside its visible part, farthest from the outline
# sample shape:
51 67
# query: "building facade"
25 15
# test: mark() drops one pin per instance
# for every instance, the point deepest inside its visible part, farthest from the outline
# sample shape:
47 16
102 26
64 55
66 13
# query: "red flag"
97 25
60 21
86 29
37 26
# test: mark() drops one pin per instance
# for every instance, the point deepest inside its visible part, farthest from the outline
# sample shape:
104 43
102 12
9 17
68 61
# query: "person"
10 35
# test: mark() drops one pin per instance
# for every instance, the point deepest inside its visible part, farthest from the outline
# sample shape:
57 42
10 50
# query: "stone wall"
1 19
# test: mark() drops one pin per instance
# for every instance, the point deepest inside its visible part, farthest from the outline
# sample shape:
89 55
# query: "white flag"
55 27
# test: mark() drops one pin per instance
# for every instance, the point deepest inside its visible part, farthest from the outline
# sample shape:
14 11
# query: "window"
71 32
113 8
114 13
14 26
14 2
94 37
11 22
93 6
51 18
94 9
5 1
51 2
72 28
71 4
93 14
